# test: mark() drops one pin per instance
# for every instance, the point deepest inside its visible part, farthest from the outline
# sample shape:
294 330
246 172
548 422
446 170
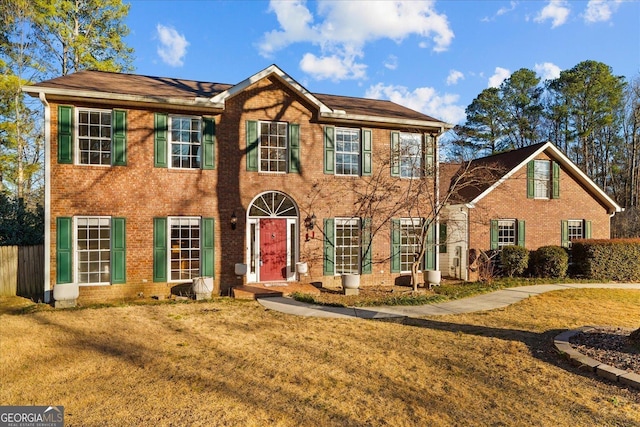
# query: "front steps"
265 290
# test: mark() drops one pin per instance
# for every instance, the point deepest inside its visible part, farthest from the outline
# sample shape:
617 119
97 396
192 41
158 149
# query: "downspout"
47 198
436 184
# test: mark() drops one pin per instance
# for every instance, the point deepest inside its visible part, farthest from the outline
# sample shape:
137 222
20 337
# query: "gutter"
193 102
47 198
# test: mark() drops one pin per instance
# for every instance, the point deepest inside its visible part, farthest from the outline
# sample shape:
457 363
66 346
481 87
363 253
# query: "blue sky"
432 56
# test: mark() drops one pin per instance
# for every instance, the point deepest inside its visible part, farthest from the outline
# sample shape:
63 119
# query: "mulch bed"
611 346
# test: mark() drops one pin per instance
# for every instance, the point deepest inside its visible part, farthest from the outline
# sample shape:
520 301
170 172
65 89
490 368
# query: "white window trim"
169 219
335 151
76 273
287 148
335 234
170 139
292 248
421 173
582 227
515 232
548 179
76 134
404 221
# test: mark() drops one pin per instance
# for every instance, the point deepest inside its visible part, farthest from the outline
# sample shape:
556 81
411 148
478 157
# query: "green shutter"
160 249
329 149
429 156
555 194
367 162
252 145
208 247
443 238
494 234
395 153
208 143
119 141
118 251
64 250
531 185
328 266
395 245
564 233
367 246
429 261
65 134
587 229
294 148
521 233
161 124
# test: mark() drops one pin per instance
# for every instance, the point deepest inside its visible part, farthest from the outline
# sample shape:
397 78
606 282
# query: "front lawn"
230 363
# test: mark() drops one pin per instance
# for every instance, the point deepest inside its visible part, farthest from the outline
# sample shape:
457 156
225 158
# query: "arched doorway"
272 236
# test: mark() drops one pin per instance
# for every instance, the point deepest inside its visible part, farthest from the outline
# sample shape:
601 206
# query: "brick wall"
139 191
542 217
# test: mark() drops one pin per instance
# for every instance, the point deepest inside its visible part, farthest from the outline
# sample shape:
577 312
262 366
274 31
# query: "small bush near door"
514 260
549 261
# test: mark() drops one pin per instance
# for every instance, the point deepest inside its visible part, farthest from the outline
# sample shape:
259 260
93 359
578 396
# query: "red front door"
273 249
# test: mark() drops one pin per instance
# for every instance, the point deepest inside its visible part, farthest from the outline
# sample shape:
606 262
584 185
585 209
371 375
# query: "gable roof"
142 89
481 176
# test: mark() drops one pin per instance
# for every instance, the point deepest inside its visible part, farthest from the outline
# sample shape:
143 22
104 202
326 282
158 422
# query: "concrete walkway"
493 300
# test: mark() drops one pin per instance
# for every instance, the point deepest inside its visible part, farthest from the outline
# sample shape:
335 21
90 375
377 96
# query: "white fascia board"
581 176
387 120
284 77
195 102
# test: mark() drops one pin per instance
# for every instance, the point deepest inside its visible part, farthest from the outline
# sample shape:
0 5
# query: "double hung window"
506 233
184 248
93 250
410 247
273 147
347 246
542 178
94 137
185 139
411 155
347 151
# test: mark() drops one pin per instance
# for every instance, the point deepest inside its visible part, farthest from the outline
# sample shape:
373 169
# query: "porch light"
309 224
234 220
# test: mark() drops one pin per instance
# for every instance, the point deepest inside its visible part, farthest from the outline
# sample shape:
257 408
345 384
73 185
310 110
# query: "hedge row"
615 259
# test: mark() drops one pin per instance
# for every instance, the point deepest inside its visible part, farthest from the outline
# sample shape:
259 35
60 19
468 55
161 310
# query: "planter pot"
203 287
432 277
302 267
350 281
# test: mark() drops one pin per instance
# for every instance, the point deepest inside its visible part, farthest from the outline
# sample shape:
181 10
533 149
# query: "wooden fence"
22 271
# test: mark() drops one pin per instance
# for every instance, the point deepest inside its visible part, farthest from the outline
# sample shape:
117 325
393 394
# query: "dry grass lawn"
233 363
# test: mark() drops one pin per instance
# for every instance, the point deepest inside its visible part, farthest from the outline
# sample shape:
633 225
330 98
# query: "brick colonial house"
151 182
531 197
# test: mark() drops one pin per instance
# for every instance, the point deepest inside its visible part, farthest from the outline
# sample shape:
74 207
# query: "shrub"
550 261
615 259
514 260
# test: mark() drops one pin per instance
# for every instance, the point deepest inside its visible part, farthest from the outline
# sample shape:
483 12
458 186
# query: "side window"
185 140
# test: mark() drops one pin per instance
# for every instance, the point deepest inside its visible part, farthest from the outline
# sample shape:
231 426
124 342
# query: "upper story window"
412 155
94 137
542 178
347 151
273 147
185 137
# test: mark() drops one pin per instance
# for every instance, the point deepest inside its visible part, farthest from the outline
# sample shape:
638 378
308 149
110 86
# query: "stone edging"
562 344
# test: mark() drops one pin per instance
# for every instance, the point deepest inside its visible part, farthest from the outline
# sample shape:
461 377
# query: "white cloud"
500 75
600 10
556 10
391 63
505 10
423 99
332 67
547 70
454 76
173 46
337 34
